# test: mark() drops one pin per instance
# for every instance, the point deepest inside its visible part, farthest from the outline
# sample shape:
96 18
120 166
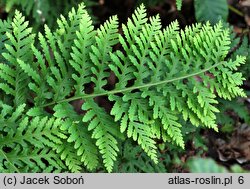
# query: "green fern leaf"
18 47
69 156
199 165
104 131
5 26
79 135
107 37
28 143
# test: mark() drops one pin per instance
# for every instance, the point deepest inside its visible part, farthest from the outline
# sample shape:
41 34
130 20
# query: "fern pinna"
163 76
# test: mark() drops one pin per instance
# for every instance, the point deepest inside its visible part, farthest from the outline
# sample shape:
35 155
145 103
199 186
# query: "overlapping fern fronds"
162 76
27 145
179 4
43 11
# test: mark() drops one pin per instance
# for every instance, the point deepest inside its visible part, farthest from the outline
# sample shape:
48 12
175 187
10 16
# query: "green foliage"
26 145
200 165
43 11
179 4
213 11
132 159
163 76
238 107
244 50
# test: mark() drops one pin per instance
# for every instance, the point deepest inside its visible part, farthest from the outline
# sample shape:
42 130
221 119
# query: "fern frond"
162 77
31 160
134 26
69 156
84 145
28 143
38 132
134 160
18 47
81 61
188 49
56 51
243 50
66 32
5 26
178 4
106 38
79 135
104 130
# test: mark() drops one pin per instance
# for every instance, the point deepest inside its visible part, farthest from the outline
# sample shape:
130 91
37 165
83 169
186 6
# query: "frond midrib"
116 91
